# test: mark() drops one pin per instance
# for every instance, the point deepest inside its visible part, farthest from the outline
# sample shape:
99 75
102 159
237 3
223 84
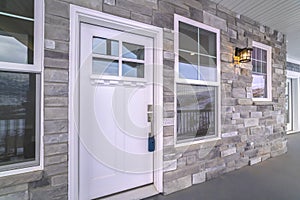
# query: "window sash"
215 84
267 74
36 67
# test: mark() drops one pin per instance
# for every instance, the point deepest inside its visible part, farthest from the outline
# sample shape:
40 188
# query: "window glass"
197 57
188 37
16 40
131 69
195 111
133 51
105 67
105 46
188 65
18 142
259 83
24 8
207 42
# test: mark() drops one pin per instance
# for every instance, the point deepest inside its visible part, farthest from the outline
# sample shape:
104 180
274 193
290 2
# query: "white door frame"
78 15
295 76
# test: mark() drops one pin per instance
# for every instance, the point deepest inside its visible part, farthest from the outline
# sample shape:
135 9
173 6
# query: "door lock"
151 143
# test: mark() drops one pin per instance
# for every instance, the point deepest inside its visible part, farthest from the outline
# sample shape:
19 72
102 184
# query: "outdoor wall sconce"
242 55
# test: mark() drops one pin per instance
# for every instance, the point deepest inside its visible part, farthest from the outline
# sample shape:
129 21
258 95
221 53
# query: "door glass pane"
188 37
23 8
16 40
259 83
133 51
131 69
105 67
207 43
17 118
188 65
195 111
105 46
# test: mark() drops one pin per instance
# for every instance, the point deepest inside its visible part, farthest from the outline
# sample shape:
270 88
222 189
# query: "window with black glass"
19 87
197 102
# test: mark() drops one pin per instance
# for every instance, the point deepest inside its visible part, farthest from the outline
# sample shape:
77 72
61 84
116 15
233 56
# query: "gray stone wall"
251 131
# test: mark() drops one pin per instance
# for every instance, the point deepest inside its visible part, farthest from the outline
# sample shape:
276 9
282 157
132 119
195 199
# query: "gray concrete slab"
275 179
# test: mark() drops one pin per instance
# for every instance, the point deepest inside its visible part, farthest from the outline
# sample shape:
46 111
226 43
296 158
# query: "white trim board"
79 15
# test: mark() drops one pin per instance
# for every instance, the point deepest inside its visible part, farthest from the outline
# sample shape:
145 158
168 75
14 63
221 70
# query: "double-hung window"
197 79
261 72
21 46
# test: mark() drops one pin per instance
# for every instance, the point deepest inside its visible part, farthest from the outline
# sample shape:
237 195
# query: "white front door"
115 97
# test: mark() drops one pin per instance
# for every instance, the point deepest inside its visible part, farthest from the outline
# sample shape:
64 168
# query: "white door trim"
78 15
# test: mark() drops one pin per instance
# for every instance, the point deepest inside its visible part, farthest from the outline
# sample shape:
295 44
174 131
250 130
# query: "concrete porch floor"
275 179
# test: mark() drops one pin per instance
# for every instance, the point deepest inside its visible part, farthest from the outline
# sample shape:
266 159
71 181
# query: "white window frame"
36 67
269 70
177 79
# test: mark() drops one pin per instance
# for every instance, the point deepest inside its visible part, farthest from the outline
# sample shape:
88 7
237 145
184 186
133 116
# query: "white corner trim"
78 15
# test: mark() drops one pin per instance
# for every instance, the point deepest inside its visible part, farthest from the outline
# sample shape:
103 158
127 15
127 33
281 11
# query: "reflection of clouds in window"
12 50
13 88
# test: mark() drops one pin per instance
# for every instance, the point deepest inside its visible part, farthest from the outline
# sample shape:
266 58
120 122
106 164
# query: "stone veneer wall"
251 132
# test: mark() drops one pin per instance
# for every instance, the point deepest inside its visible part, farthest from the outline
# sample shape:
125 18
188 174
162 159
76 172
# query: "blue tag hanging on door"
151 143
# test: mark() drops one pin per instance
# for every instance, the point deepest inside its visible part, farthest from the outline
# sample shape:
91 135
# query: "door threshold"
134 194
292 132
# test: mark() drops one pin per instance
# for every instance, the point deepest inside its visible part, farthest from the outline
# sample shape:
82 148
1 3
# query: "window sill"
263 103
21 171
197 142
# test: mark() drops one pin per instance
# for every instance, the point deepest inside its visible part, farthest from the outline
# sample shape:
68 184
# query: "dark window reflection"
195 111
188 37
16 40
24 8
17 117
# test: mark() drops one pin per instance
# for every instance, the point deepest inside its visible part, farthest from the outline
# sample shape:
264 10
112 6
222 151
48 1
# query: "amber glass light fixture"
242 55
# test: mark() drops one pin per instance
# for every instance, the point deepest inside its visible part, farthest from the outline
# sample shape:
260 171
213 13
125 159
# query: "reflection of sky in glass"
188 71
130 69
105 46
191 72
105 67
258 82
11 50
133 51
